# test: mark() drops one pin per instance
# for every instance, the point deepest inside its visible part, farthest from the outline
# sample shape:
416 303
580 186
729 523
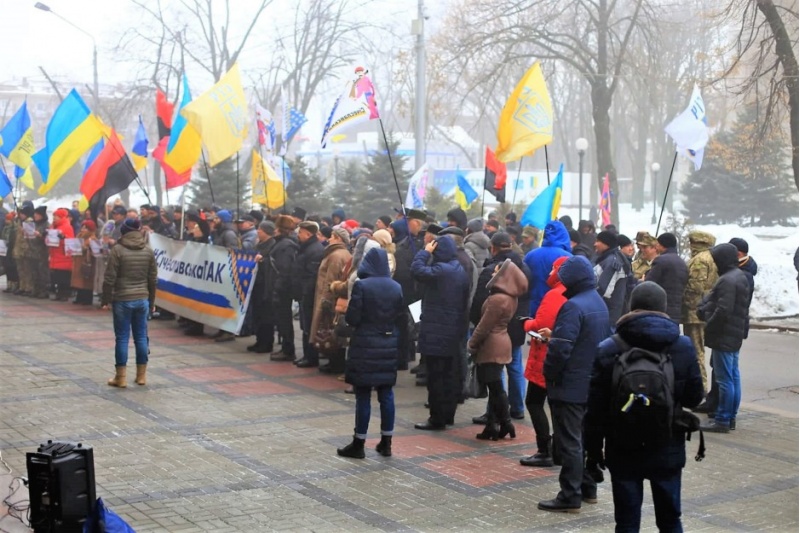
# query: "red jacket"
545 318
58 259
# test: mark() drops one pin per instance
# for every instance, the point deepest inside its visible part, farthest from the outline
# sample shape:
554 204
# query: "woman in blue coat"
376 303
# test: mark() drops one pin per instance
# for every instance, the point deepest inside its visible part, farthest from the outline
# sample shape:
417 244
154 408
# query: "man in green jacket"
130 287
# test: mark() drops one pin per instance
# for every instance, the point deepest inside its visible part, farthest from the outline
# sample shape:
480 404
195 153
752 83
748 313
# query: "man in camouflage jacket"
702 277
647 252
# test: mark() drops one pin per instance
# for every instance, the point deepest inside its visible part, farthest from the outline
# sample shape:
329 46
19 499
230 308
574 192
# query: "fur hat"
607 238
668 240
130 224
453 230
649 296
285 223
416 214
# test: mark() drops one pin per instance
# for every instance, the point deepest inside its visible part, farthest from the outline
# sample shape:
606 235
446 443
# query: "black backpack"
642 403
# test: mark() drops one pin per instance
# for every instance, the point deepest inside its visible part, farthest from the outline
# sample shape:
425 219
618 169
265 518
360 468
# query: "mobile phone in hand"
535 335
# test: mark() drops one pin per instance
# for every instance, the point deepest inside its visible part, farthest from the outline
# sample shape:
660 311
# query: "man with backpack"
643 377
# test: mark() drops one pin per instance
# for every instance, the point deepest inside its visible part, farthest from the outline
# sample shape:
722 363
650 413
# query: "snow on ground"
771 247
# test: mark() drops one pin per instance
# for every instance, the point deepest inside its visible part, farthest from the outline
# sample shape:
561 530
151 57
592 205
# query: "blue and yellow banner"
16 138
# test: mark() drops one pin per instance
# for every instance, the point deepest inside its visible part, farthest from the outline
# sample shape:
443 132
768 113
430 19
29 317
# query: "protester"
263 287
669 271
613 274
644 258
130 288
83 266
458 218
10 234
384 239
248 234
376 304
702 277
23 253
530 239
408 239
222 230
626 246
477 242
41 255
555 244
60 262
304 286
294 279
578 248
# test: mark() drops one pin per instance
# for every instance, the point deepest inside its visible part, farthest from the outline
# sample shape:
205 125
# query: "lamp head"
581 144
655 167
43 7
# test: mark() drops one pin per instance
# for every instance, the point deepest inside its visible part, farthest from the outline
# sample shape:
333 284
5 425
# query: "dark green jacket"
131 272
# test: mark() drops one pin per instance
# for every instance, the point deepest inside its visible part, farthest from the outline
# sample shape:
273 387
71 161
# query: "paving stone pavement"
224 440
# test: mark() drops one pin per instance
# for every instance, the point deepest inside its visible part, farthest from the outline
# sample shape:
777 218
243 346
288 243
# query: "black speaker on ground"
61 486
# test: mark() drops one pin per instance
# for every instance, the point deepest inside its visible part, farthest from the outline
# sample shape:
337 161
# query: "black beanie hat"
623 241
668 240
130 224
740 245
385 219
649 296
607 238
574 236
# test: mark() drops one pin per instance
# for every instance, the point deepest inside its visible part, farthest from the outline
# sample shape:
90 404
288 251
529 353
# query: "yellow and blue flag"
139 151
24 176
544 207
526 122
220 116
5 184
16 138
465 194
71 132
183 149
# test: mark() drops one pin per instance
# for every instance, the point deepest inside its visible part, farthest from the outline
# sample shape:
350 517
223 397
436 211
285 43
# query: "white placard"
28 229
51 239
97 247
3 248
73 247
416 310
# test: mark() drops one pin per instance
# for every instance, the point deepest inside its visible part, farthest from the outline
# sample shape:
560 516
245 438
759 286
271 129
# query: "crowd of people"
581 299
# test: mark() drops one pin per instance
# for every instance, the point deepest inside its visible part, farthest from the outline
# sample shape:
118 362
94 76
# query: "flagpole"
238 186
391 164
483 194
183 212
14 200
547 165
135 174
146 177
666 192
264 176
516 184
208 177
283 179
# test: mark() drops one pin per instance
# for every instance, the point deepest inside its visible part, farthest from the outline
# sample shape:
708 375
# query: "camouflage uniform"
702 277
640 265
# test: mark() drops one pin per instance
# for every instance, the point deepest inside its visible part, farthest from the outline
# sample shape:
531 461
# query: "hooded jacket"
545 318
652 331
225 236
443 323
59 260
555 244
702 275
249 238
581 324
458 216
376 303
490 340
131 272
478 244
725 309
669 271
614 277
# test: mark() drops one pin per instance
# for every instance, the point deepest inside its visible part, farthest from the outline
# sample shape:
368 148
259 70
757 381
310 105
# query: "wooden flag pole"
238 187
391 164
666 192
516 184
208 177
547 164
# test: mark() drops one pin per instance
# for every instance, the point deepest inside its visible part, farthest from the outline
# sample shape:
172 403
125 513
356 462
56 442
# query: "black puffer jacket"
282 259
515 327
404 254
671 273
305 269
726 307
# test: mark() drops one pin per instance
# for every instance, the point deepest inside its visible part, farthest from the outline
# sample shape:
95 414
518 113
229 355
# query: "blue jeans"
517 384
364 409
729 383
130 316
628 493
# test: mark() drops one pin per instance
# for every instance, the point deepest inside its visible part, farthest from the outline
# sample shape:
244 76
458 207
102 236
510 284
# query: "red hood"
552 279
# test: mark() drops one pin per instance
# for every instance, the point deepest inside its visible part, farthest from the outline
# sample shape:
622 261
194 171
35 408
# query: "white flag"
417 188
689 130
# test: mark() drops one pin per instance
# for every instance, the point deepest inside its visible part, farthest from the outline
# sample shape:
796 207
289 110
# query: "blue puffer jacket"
655 332
375 305
581 324
555 244
443 324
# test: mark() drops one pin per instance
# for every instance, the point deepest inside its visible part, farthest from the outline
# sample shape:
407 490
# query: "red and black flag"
494 180
110 173
164 110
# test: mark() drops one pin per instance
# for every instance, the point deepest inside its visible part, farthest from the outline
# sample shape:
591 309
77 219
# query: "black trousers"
568 432
61 280
283 317
534 401
444 387
306 316
11 268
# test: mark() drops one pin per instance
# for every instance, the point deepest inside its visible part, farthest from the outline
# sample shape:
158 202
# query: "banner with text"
205 283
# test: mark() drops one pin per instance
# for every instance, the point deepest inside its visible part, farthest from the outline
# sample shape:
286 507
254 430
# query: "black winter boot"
355 449
542 457
384 447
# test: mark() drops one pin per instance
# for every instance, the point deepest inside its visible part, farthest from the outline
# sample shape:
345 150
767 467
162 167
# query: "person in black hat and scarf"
614 275
670 272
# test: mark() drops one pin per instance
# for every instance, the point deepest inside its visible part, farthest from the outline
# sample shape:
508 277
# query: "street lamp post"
582 145
655 167
96 87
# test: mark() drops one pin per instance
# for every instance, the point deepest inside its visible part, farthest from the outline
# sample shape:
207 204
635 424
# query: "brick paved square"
485 470
410 446
525 434
252 388
276 369
320 383
208 374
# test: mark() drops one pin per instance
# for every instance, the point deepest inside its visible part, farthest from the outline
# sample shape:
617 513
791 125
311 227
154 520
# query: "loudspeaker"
61 486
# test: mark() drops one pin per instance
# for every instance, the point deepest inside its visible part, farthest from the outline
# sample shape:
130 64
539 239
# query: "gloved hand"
595 464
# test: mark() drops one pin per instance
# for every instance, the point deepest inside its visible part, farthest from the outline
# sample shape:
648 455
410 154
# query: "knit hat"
607 238
41 210
27 210
342 234
350 225
574 236
453 230
89 224
433 229
130 224
458 216
567 221
511 217
649 296
668 240
382 237
225 216
475 225
493 224
530 231
623 241
501 240
385 219
740 245
257 215
285 223
326 231
267 227
61 212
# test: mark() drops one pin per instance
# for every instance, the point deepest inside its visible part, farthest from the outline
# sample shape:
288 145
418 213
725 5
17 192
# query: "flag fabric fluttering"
545 206
417 188
605 203
296 121
172 178
526 121
266 127
110 173
355 105
266 184
164 111
24 176
139 151
220 117
16 138
184 145
495 176
5 184
72 131
689 130
464 194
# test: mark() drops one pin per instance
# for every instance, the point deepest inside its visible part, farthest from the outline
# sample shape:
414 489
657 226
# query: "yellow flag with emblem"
526 121
267 187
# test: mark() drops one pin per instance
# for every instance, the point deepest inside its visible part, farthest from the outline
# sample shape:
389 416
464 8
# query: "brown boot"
120 379
141 374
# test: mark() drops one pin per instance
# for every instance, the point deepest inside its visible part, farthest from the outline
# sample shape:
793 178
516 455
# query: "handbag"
86 270
473 388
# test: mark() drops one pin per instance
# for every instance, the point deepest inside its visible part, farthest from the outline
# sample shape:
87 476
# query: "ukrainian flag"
139 151
72 131
184 146
465 194
16 138
544 207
